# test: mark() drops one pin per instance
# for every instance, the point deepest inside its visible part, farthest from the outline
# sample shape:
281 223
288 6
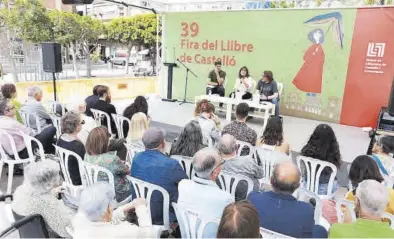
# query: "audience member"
239 220
323 145
139 125
97 219
79 105
239 129
189 141
33 105
273 136
9 92
10 125
371 201
202 188
243 84
279 211
239 166
104 104
209 122
97 152
71 125
153 166
139 105
91 100
268 89
39 194
382 153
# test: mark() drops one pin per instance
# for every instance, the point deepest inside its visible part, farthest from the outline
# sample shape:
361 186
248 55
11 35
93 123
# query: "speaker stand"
54 85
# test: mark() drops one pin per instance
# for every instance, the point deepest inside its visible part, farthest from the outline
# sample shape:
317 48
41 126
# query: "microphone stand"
187 76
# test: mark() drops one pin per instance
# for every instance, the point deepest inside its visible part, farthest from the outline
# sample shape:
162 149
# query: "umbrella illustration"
335 21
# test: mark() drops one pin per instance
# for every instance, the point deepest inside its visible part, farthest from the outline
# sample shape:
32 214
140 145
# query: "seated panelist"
216 80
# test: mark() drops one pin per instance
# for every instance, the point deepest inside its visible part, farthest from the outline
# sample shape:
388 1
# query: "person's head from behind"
323 145
218 64
371 200
141 104
239 220
7 108
154 139
384 145
97 142
285 178
35 92
139 125
95 202
363 168
207 164
268 76
71 123
243 72
190 139
242 112
228 146
95 89
8 91
273 133
42 176
104 93
204 108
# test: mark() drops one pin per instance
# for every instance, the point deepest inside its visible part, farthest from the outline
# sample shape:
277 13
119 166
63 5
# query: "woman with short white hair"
39 194
96 218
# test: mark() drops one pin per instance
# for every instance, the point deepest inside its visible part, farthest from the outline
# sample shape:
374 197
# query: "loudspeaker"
390 107
51 57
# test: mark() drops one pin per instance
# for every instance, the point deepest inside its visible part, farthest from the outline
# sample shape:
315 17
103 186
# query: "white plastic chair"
119 121
56 124
5 159
28 143
265 233
280 88
191 223
303 194
53 107
26 118
229 182
313 174
132 150
339 202
142 187
92 174
186 163
390 217
207 140
242 145
269 157
98 115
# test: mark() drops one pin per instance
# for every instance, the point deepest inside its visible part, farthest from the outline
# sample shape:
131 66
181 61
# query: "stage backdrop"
307 50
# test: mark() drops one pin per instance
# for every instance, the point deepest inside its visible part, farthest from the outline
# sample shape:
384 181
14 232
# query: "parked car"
120 58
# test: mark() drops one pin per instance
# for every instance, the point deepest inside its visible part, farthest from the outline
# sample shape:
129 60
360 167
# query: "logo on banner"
376 49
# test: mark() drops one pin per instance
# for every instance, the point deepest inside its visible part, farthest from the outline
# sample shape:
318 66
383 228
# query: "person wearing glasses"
10 125
201 194
71 124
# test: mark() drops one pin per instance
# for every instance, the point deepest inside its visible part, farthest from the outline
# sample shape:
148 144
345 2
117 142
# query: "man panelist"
216 79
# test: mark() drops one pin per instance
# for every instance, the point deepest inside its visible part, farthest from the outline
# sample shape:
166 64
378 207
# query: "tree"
66 31
29 21
133 31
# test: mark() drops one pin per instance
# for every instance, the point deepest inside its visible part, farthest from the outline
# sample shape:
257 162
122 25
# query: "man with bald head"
201 194
279 211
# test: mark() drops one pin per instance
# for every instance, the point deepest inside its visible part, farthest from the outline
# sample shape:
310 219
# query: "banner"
307 50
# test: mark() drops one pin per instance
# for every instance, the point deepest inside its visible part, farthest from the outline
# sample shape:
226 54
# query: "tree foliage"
65 26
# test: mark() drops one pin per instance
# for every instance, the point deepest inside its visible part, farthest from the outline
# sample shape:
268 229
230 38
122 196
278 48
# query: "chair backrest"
314 168
119 121
280 88
98 115
11 143
132 150
268 157
56 123
186 163
390 217
245 145
229 182
265 233
207 140
303 194
64 157
349 205
92 172
29 146
144 190
191 223
349 185
32 226
57 108
29 118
